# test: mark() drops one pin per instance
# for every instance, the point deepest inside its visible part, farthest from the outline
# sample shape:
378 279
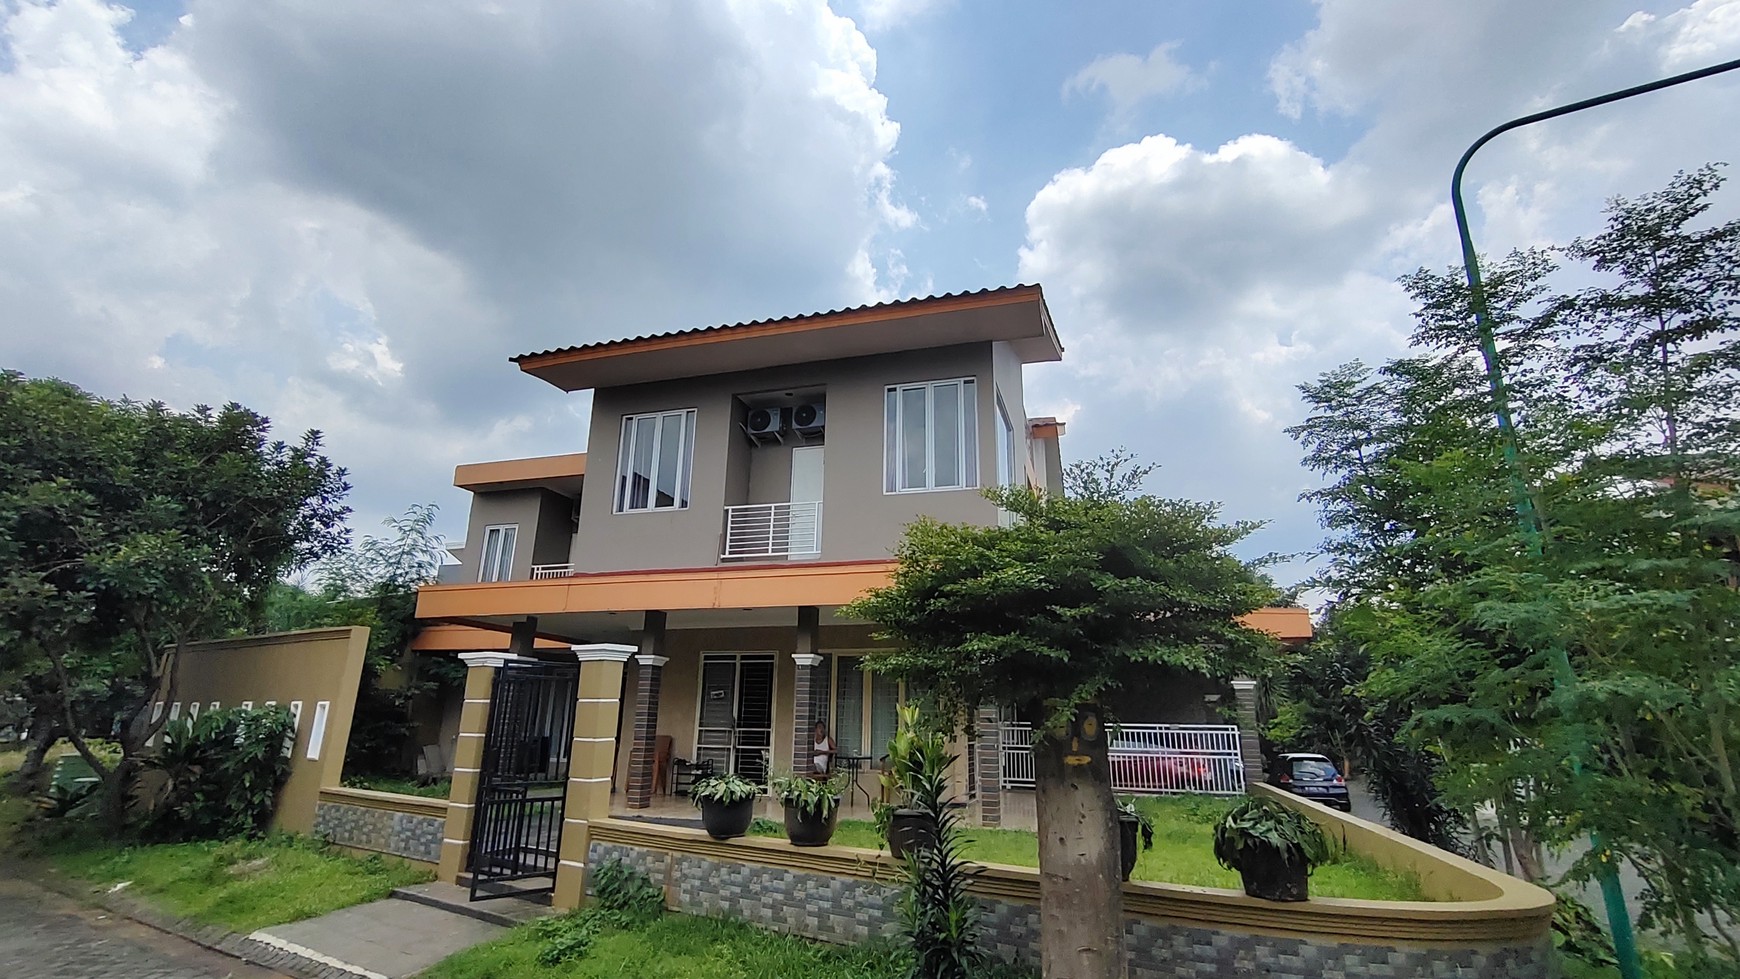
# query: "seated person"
822 759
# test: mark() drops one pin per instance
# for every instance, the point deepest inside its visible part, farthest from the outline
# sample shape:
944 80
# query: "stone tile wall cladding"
402 834
849 910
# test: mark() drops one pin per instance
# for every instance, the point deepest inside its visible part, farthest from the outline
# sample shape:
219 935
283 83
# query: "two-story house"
740 484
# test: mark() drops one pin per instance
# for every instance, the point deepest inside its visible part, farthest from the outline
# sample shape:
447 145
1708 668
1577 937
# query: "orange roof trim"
1045 428
511 473
1290 624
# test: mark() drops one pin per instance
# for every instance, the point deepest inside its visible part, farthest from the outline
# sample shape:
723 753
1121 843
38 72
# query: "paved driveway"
46 936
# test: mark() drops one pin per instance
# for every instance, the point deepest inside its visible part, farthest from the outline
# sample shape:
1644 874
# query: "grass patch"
1183 852
676 947
401 785
242 885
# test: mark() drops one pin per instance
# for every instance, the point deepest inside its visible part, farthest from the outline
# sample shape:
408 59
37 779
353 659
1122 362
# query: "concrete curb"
213 937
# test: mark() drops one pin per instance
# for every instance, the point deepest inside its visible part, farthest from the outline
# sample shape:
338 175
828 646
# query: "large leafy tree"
128 530
1077 595
1630 451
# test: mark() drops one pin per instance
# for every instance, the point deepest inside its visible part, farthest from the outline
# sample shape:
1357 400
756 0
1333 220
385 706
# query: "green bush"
623 899
222 772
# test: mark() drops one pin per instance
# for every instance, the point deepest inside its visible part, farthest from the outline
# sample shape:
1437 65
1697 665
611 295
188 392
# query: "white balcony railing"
773 530
551 571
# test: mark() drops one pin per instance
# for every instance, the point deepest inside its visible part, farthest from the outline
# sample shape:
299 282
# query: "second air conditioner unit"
809 420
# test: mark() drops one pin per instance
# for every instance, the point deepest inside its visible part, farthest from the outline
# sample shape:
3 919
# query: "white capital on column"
807 659
648 660
488 658
609 651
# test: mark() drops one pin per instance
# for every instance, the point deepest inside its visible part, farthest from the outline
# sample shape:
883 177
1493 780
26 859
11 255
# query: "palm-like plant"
940 919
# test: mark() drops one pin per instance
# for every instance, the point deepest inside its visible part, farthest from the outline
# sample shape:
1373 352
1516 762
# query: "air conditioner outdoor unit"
809 419
764 422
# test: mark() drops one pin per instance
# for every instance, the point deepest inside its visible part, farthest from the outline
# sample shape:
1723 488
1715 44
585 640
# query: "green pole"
1618 918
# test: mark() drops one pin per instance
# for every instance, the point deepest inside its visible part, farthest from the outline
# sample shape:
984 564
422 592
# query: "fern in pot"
727 804
905 825
1274 848
812 806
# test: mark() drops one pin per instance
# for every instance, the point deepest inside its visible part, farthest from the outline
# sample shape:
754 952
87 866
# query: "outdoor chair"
661 773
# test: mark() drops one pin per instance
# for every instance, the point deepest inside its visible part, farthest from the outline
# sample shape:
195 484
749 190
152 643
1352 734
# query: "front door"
805 529
735 730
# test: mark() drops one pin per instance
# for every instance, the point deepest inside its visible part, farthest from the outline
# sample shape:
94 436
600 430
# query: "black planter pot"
726 820
1276 880
909 830
1128 829
809 828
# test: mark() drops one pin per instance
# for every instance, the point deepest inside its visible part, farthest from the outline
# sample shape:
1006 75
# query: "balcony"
773 530
540 571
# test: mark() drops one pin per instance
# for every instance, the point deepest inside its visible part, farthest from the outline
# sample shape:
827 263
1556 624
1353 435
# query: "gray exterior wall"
859 520
1006 365
545 531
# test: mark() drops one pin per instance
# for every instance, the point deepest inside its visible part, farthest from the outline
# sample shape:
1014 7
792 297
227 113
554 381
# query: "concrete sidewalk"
391 938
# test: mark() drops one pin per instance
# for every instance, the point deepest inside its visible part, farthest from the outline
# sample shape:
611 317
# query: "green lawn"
677 946
1182 854
401 785
240 884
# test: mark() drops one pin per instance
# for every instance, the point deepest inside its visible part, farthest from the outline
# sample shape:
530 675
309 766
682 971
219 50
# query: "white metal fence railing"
551 571
1148 758
772 530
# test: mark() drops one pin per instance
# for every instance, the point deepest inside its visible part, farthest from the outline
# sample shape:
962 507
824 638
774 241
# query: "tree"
128 530
1075 597
374 583
1624 393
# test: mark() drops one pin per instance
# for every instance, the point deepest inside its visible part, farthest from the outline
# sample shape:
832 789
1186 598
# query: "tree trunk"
43 736
1081 902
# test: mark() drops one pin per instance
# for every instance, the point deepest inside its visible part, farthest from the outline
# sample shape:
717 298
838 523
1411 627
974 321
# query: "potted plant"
812 807
1132 821
1273 847
903 825
727 804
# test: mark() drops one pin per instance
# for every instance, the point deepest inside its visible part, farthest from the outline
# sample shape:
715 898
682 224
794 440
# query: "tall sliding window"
658 454
930 436
498 553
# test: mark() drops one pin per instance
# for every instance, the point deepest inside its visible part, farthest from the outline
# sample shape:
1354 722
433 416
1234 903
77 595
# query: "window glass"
849 705
498 554
656 462
912 434
930 436
1311 770
946 434
884 716
1007 468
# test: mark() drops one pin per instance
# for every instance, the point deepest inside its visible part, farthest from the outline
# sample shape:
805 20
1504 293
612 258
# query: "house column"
597 701
803 715
988 765
468 761
649 670
1250 744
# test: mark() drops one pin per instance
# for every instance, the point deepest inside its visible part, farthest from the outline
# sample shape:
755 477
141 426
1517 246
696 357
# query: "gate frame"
505 803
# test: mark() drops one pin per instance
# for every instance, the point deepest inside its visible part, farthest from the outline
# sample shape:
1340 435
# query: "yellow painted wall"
311 667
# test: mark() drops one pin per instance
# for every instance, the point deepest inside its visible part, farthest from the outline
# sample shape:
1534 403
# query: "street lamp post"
1618 918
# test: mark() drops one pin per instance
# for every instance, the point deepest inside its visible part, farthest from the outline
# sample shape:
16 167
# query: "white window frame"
894 436
867 722
685 461
1008 473
504 557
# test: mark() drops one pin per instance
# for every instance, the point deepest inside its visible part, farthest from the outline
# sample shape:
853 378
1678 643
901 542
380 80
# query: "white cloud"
977 203
1129 80
882 15
1194 288
349 217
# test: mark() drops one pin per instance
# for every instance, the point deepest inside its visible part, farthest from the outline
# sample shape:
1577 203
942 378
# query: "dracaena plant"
724 790
1258 830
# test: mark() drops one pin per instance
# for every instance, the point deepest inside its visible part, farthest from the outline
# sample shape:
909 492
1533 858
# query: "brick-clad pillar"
803 720
988 744
468 761
649 669
803 714
1250 746
597 701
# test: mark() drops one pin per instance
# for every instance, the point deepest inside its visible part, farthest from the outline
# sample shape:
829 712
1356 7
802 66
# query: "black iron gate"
517 832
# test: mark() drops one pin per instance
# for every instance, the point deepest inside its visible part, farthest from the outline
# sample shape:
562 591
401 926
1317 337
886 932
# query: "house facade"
739 485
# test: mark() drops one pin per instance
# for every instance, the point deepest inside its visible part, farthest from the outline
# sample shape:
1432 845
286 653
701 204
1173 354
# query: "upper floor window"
1008 470
930 436
658 452
498 553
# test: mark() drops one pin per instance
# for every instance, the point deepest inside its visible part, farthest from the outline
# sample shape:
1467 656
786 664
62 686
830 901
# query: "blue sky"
349 215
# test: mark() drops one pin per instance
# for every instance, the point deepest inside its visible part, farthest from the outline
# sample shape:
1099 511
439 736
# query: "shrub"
222 773
623 898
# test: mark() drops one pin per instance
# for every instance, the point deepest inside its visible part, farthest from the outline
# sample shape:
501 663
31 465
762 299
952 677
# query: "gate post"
988 766
468 761
1250 745
597 703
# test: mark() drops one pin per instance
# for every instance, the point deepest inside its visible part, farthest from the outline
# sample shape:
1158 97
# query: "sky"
348 216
